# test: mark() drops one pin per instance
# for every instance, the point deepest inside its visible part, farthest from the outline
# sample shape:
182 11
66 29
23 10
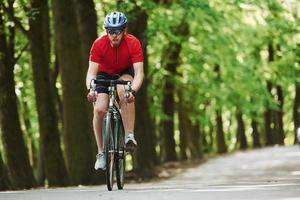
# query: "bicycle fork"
118 132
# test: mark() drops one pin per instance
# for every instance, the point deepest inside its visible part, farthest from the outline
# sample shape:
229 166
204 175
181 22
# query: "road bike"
113 134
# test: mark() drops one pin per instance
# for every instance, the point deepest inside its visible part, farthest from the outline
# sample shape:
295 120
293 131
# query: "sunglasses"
115 31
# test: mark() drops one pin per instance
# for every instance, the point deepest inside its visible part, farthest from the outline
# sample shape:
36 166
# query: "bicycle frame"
113 113
114 109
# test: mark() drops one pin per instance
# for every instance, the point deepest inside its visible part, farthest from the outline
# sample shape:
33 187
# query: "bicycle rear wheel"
120 158
109 152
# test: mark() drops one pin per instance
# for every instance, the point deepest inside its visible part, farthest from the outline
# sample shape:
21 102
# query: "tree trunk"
207 139
296 107
211 137
189 133
268 121
17 159
29 132
197 141
41 175
241 135
183 127
55 169
205 142
279 117
269 129
145 132
255 134
87 26
55 91
4 179
171 61
77 126
296 110
221 145
168 108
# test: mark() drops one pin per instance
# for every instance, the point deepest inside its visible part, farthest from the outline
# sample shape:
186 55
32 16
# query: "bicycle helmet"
115 20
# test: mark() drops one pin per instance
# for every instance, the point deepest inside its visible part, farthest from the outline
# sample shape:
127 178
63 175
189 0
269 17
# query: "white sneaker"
130 142
100 161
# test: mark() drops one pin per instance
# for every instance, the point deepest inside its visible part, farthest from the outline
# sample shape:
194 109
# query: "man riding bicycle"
115 55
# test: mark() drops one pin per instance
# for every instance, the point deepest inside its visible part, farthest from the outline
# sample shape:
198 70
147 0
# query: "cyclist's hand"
131 98
92 96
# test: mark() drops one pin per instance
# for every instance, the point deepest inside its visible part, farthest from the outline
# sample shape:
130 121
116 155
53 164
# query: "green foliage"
231 34
234 35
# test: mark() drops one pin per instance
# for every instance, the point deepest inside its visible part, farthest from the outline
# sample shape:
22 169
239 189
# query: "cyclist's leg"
128 109
100 109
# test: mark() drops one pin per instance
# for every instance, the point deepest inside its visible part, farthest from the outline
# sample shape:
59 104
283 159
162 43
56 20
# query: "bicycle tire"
109 152
120 158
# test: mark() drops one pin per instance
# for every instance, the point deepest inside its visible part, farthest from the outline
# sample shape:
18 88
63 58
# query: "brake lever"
127 91
93 88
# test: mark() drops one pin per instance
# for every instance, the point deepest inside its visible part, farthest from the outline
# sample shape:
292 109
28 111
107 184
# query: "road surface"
269 173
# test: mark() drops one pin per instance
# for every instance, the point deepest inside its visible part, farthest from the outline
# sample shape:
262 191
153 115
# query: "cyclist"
115 55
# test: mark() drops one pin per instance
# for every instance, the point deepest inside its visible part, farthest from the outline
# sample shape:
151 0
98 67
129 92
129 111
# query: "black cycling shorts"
103 88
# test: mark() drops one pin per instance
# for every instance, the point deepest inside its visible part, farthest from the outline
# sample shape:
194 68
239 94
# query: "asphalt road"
269 173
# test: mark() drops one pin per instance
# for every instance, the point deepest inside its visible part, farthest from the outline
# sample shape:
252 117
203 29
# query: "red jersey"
115 60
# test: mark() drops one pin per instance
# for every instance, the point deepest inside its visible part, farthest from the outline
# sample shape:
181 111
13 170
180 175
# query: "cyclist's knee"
100 111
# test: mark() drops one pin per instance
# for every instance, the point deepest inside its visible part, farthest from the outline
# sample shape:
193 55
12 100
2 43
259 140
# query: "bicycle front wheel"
120 158
109 152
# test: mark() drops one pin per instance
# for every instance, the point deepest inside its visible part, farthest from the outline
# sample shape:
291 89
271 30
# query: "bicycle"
113 134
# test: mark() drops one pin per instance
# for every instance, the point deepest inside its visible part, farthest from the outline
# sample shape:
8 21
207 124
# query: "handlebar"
112 82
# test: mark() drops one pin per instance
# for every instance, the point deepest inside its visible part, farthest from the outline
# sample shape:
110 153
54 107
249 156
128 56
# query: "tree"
241 135
296 106
171 62
144 128
77 126
39 36
221 144
278 118
19 168
87 27
268 120
4 179
296 110
255 134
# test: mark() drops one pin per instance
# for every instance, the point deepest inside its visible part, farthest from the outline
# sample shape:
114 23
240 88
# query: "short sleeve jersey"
115 60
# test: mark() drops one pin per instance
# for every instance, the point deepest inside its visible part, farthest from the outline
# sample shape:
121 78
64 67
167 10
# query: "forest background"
221 76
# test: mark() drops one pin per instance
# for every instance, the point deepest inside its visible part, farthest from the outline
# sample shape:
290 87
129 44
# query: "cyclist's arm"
91 73
138 75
